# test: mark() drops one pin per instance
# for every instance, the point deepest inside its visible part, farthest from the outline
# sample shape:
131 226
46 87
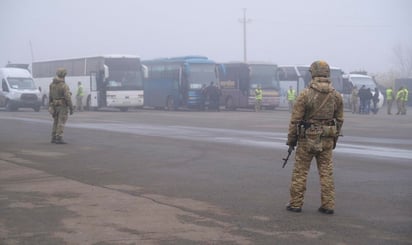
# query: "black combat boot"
326 210
59 140
292 209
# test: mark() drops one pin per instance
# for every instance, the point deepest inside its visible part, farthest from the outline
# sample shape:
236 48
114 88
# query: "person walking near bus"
258 98
213 93
315 124
389 99
60 104
79 96
354 100
291 98
399 99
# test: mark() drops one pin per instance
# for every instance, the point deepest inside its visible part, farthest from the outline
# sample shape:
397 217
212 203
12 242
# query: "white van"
18 89
358 80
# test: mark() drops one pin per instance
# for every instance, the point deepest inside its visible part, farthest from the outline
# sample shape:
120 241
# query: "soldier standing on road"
389 99
315 124
60 104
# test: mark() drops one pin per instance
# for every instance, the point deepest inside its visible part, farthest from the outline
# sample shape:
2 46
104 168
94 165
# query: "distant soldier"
315 124
404 100
258 98
389 99
60 104
79 96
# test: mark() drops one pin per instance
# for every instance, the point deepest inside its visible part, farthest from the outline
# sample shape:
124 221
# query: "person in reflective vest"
258 98
291 98
389 99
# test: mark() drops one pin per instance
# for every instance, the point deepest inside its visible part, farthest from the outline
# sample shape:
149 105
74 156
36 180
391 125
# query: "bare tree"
403 60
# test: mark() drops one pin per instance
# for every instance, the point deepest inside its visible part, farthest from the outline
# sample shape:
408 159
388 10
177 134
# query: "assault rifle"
301 125
291 148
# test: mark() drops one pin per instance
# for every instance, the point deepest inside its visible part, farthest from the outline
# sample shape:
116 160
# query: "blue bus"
177 82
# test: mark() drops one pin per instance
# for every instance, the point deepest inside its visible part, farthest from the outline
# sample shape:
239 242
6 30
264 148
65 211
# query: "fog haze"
349 34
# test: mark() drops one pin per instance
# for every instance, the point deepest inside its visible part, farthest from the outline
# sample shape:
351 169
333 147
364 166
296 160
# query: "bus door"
94 93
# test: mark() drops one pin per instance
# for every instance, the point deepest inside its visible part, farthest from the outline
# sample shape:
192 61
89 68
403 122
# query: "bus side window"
4 86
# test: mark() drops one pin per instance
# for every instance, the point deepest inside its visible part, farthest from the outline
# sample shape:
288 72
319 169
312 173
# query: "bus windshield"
124 74
124 80
264 75
21 83
337 80
201 74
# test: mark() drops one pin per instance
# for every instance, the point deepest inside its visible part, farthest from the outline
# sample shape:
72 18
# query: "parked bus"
178 81
239 80
299 76
114 81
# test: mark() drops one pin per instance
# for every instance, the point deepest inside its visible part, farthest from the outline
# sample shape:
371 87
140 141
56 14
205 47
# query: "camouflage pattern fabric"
61 103
319 105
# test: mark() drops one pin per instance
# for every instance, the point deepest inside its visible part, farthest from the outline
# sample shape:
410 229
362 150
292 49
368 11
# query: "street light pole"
244 21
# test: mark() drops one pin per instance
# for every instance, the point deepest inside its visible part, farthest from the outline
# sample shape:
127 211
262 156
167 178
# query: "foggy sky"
351 34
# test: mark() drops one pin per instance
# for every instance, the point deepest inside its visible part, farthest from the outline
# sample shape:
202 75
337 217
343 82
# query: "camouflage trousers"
61 113
324 162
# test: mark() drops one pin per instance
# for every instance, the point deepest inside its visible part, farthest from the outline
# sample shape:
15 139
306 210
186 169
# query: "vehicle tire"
36 108
88 103
170 104
229 104
44 101
9 106
124 109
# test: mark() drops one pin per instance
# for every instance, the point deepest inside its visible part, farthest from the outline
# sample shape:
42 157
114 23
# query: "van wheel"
45 101
9 107
36 108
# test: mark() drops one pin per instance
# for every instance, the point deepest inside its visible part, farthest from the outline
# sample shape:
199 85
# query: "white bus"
114 81
298 76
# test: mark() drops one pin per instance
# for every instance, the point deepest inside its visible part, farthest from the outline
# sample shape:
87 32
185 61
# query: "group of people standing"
362 99
401 99
210 94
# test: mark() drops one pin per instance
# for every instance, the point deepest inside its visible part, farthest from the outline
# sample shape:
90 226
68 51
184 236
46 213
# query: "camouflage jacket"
59 91
308 107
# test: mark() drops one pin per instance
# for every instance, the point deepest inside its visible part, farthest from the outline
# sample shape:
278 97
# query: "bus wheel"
88 103
170 105
229 104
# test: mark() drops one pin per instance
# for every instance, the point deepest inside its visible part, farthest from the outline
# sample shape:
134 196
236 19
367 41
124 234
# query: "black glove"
291 148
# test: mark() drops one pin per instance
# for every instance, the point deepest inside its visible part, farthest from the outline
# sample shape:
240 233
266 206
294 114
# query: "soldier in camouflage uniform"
315 125
60 104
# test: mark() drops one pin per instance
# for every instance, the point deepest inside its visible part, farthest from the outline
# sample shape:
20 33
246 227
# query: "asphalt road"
156 177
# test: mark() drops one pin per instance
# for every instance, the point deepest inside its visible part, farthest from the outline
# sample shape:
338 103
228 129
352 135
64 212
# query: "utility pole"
244 21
